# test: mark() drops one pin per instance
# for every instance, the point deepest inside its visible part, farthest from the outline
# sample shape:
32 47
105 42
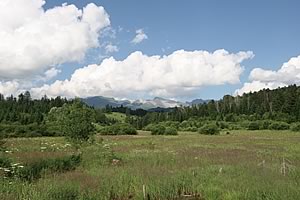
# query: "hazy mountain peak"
100 102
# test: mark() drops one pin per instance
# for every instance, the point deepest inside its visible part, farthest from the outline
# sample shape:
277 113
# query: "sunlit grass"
241 165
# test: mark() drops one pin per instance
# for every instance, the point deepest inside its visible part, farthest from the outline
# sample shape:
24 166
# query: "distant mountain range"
157 102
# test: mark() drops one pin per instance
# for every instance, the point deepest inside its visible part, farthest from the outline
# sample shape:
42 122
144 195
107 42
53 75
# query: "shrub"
158 130
149 127
230 118
171 131
279 126
253 126
192 129
295 127
119 129
264 124
171 124
209 129
222 125
127 129
235 126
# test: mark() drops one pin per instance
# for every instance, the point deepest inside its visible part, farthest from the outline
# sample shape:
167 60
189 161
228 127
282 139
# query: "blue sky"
270 29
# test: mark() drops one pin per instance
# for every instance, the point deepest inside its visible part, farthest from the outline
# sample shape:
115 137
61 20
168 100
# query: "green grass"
120 117
187 166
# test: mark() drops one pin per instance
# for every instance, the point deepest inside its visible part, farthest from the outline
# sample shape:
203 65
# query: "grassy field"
241 165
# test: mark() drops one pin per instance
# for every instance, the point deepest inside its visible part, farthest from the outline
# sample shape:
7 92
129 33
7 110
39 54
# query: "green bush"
171 131
209 129
149 127
253 125
170 124
230 117
234 126
119 129
295 127
279 126
158 130
191 129
127 129
264 124
29 130
222 125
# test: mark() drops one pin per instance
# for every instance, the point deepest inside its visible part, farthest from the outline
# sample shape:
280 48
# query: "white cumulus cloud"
289 73
140 36
33 40
178 74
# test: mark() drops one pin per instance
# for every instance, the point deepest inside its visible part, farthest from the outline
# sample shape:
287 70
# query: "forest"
23 116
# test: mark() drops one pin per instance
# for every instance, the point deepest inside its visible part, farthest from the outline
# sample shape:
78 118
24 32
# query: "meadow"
240 165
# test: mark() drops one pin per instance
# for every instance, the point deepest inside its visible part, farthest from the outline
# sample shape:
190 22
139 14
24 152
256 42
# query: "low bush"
191 129
149 127
279 126
30 130
253 125
264 125
119 129
209 129
158 130
173 124
295 127
171 131
222 125
234 126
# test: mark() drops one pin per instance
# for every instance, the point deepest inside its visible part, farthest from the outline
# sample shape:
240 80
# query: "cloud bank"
178 74
289 73
34 40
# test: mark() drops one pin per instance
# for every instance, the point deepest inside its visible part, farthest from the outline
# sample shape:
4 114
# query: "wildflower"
15 164
6 170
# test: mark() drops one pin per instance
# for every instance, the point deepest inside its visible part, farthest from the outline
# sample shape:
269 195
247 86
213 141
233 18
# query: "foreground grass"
241 165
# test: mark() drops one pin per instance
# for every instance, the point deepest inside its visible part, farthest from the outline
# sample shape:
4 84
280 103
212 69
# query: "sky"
140 49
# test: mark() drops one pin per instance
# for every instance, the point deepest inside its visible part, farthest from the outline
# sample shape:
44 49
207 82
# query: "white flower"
15 164
7 170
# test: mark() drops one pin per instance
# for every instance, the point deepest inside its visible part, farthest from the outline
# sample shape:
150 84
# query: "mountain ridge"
156 102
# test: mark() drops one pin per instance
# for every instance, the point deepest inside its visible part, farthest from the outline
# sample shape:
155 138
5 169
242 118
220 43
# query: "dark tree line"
282 104
22 114
24 110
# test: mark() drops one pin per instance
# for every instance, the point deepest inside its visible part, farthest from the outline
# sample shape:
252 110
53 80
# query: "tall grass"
188 166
